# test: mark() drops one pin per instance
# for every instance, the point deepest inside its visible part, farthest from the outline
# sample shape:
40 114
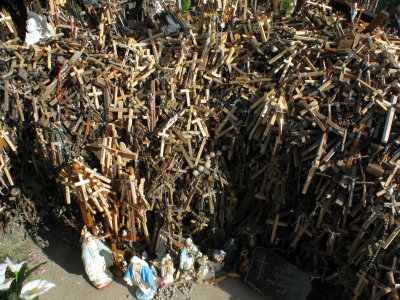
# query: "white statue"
37 28
188 256
140 274
97 258
162 242
218 259
167 269
206 270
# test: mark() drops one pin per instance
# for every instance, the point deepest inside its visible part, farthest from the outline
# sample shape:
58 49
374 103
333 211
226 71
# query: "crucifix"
389 119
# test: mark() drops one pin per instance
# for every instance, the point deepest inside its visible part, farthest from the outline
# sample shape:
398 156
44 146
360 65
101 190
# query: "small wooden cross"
120 109
389 119
5 169
18 106
275 224
95 94
232 200
77 72
229 115
4 136
88 124
325 208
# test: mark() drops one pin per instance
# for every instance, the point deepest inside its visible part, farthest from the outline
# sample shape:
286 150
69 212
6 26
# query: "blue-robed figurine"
140 274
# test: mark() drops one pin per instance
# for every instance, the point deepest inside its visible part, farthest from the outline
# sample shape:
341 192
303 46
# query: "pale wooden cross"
229 115
18 106
389 119
120 109
130 117
81 184
77 72
4 136
95 94
3 168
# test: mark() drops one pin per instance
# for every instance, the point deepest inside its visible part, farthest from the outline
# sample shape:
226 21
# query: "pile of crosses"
277 128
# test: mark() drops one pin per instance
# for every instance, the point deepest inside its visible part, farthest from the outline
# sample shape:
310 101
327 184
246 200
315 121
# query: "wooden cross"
130 117
163 135
95 94
81 183
4 168
325 208
77 72
275 224
89 124
120 109
152 97
229 115
202 127
18 106
232 200
389 119
4 136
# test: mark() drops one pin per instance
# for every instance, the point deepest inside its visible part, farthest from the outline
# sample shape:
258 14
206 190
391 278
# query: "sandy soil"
64 268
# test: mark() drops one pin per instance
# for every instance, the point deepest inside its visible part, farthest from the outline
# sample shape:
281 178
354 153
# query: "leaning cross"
389 119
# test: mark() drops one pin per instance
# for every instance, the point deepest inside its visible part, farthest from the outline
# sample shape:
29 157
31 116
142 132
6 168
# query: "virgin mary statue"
97 258
140 274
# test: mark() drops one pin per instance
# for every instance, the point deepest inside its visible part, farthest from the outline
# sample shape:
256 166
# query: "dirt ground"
64 268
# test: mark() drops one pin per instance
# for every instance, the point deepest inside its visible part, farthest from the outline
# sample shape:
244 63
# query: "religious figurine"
167 269
162 242
140 274
206 271
97 258
218 257
188 256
